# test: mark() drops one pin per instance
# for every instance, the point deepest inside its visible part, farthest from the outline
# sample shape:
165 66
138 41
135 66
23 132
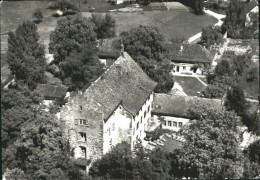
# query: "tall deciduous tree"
25 54
211 36
80 68
212 143
105 27
145 45
71 34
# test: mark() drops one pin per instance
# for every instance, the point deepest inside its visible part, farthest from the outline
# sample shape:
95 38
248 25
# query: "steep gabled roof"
182 52
123 83
177 106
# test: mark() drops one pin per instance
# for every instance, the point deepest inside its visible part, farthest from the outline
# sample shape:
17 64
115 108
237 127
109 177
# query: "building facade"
114 108
188 58
172 110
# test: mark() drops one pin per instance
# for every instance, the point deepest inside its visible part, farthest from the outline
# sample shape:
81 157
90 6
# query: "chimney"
122 48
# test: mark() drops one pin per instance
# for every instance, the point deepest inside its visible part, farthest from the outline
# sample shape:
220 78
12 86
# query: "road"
219 17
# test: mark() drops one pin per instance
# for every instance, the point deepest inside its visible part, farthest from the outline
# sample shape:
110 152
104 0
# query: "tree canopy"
80 68
105 27
211 36
212 143
71 34
235 22
25 54
145 46
32 142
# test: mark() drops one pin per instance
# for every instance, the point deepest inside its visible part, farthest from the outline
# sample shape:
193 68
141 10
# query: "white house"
114 108
186 58
172 110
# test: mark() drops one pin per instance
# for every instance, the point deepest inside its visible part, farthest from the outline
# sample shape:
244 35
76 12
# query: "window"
164 123
184 67
110 142
137 126
148 108
80 107
83 122
180 124
144 114
169 123
82 136
141 120
174 124
83 153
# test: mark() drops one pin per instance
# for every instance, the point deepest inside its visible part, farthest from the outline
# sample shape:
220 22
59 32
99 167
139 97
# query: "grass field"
191 85
15 12
173 23
179 22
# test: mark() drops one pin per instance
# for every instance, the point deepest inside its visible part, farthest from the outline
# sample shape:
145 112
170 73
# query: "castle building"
114 108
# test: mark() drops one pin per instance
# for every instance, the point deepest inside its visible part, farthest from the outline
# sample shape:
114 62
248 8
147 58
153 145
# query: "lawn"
191 85
172 23
15 12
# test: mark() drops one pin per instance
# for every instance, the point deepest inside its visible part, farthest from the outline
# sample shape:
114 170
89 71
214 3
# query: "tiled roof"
193 53
109 48
52 91
249 6
123 83
177 106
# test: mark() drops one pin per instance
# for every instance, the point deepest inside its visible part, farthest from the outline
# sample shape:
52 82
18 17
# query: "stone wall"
94 130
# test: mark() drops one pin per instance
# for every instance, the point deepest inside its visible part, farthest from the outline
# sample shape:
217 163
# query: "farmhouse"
52 93
171 110
114 108
109 50
186 57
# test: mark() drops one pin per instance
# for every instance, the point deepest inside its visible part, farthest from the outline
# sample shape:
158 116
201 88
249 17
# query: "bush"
69 12
62 5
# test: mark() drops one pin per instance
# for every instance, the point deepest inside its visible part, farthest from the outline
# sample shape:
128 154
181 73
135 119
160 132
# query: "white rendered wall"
116 129
172 120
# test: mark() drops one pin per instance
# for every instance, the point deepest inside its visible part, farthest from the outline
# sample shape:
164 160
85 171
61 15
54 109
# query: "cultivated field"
177 22
172 23
15 12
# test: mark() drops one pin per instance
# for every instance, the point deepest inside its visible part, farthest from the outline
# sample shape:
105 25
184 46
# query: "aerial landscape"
130 89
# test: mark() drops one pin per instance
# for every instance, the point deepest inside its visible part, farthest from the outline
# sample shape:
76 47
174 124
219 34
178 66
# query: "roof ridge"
108 69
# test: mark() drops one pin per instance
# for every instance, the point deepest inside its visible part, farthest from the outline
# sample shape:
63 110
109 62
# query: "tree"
105 27
145 46
211 36
211 146
236 100
17 107
71 34
80 68
254 151
25 54
198 6
37 14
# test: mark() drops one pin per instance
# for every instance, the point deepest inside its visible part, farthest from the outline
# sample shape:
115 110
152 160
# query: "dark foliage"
104 26
25 54
71 34
80 68
145 46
